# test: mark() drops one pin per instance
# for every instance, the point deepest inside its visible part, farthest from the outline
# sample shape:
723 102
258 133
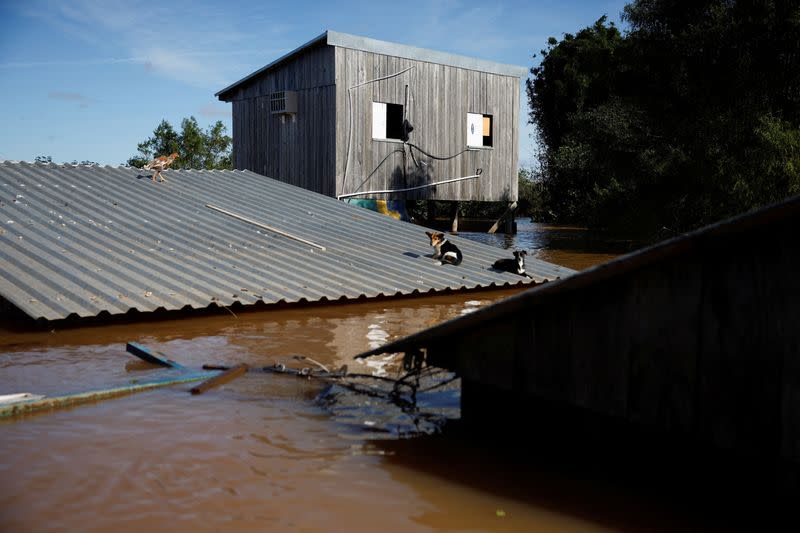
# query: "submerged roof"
82 240
356 42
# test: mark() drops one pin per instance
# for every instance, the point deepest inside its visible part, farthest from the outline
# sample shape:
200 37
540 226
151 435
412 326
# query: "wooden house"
344 115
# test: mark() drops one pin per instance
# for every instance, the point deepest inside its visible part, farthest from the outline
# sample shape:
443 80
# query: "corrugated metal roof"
82 240
357 42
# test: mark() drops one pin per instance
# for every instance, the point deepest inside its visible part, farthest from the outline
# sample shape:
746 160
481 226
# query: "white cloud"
215 111
160 37
179 66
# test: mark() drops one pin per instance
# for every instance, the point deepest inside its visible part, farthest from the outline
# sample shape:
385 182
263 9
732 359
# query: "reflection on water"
273 452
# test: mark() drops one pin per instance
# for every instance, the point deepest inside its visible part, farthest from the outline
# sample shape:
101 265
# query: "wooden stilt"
431 212
454 218
510 219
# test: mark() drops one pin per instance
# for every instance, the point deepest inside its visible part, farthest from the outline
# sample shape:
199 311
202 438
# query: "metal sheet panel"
84 240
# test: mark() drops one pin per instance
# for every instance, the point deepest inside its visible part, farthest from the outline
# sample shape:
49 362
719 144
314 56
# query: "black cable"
377 167
437 157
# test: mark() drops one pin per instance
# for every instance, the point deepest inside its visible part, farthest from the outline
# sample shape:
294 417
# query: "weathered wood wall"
312 150
439 98
697 337
298 151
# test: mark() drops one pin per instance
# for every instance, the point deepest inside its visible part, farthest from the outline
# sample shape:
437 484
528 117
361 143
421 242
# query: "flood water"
573 247
273 452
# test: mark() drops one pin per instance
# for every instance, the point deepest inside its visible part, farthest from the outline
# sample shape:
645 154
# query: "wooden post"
431 213
454 218
512 210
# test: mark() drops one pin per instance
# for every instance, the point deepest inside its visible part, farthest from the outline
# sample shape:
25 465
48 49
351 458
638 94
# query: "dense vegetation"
692 115
209 149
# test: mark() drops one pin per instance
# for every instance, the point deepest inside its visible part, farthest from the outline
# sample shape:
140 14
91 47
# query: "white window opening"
480 130
387 121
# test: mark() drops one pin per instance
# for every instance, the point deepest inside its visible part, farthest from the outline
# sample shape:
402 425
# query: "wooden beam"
157 358
223 377
511 207
57 402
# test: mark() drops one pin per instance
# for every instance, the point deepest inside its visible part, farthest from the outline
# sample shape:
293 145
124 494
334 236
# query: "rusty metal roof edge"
602 272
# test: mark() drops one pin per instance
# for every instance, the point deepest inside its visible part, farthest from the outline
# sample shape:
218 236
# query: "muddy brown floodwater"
271 452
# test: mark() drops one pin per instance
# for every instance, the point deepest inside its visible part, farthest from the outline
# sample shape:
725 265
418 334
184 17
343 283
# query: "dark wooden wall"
439 98
698 337
298 151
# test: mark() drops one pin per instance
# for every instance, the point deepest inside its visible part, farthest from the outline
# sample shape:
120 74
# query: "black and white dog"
515 266
446 251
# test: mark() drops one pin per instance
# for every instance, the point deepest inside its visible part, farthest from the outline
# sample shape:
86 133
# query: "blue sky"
89 79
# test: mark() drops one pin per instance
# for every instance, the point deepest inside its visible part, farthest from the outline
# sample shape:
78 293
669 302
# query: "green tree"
196 148
532 196
692 116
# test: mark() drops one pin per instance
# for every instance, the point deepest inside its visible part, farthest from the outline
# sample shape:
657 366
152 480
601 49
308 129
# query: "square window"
387 121
480 130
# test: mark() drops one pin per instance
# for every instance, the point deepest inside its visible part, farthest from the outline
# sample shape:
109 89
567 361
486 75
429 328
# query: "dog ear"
429 234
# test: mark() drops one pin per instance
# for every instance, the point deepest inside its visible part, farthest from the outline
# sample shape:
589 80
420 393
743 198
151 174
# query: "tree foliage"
49 159
196 148
691 116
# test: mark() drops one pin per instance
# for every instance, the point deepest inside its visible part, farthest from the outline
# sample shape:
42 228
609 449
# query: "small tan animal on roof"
160 163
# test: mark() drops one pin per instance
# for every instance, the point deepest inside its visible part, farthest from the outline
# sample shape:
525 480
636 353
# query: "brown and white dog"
446 251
